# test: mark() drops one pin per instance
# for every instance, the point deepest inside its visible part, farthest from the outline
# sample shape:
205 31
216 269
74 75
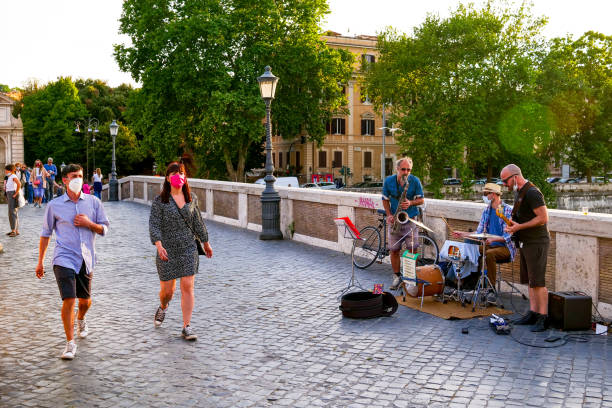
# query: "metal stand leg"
353 282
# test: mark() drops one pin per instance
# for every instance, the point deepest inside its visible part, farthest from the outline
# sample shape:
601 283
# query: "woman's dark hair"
175 167
10 167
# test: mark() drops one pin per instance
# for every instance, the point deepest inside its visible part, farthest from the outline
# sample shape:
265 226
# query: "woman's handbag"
197 240
20 199
36 182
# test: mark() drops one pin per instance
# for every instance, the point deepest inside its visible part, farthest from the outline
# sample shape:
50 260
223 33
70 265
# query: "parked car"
282 182
451 181
478 181
553 179
325 185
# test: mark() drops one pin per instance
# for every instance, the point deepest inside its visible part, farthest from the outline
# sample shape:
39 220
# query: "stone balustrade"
579 259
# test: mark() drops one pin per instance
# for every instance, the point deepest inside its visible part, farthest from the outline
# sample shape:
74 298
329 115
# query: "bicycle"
371 248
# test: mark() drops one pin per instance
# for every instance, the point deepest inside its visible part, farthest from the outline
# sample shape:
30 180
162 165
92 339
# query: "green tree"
452 81
199 61
48 114
576 79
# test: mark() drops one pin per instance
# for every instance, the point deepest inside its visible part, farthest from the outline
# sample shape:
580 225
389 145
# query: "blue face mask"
486 200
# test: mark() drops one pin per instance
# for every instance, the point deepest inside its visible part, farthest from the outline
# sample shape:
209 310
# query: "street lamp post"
91 125
270 200
113 185
384 129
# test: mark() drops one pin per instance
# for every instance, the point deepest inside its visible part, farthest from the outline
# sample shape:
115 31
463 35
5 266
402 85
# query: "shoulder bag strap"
521 196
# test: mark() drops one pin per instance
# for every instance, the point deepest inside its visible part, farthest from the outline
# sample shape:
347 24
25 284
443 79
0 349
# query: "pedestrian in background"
39 182
174 225
76 219
12 187
97 183
51 173
29 193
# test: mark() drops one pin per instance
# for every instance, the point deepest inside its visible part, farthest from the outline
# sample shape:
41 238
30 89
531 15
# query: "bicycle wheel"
366 249
427 249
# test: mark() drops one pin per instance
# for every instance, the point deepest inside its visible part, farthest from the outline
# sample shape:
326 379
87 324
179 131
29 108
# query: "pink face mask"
177 180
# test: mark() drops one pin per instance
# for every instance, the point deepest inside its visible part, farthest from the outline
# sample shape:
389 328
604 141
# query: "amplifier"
569 310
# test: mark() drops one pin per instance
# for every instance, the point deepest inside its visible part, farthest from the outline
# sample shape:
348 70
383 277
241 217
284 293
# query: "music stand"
348 229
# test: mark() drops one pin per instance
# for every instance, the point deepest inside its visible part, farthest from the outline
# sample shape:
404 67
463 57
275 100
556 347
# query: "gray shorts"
407 237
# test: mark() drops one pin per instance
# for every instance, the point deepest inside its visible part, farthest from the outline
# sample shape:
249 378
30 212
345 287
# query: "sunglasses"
508 178
406 168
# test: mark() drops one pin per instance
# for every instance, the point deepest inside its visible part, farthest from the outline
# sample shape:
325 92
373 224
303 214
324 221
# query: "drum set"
471 284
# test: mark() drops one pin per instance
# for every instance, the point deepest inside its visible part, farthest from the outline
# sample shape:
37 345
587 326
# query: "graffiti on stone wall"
367 202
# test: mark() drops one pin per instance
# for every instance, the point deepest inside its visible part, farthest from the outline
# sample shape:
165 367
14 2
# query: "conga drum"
429 273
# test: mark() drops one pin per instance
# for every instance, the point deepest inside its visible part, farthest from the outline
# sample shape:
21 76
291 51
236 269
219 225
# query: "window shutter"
343 126
280 159
322 158
367 159
363 127
337 159
328 126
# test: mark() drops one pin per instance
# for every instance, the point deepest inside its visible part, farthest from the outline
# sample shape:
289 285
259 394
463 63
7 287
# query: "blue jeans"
49 190
29 193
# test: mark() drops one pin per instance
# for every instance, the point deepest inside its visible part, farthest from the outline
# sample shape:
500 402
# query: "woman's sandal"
12 234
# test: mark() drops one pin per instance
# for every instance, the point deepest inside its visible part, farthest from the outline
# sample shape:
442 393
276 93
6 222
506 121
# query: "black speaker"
569 310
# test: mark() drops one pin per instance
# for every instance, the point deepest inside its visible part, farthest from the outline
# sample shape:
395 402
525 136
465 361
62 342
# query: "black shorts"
533 264
72 284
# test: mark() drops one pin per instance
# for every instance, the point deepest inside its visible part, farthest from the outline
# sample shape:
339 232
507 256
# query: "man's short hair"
50 159
514 169
401 159
70 168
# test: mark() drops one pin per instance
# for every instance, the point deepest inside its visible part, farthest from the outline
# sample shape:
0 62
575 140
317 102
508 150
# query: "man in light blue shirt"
76 218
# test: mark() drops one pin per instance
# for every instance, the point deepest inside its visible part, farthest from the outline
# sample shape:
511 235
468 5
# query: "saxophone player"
407 188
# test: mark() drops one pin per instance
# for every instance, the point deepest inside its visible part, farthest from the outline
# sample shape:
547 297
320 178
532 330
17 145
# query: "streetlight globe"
114 128
267 84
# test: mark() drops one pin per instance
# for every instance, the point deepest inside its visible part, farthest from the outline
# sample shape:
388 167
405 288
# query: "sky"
45 39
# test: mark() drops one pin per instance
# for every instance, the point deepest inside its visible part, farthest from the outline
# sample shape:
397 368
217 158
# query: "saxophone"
400 217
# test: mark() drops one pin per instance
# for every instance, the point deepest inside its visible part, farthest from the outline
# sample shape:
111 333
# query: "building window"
337 159
367 127
280 160
337 126
388 125
367 160
322 158
273 160
368 58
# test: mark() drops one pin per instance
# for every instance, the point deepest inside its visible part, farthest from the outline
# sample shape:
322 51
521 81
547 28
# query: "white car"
325 185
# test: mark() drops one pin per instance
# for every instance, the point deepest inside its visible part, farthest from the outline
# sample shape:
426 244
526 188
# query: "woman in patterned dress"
175 218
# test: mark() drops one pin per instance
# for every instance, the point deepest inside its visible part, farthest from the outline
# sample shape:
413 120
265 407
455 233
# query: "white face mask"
75 185
486 200
515 186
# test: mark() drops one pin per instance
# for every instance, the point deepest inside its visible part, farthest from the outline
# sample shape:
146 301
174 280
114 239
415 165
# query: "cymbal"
420 224
484 236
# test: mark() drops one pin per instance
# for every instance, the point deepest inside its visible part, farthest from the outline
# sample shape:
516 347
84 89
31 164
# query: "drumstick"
449 227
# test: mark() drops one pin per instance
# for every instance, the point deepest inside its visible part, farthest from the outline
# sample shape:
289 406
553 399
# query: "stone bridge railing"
579 259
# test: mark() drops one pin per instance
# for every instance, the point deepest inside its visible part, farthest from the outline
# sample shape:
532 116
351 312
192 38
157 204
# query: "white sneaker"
69 351
82 328
396 282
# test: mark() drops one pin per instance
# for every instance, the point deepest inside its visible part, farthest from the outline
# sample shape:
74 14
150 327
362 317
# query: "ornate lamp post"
384 129
91 125
113 186
270 200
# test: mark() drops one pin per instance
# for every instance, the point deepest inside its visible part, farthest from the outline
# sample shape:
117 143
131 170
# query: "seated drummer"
499 249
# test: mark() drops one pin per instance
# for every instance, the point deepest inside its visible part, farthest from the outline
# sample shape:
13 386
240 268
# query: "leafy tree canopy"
453 81
199 61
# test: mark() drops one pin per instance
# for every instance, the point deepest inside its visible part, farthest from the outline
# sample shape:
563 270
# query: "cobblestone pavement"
270 334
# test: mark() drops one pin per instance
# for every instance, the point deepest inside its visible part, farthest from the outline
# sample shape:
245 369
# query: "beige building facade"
354 141
11 133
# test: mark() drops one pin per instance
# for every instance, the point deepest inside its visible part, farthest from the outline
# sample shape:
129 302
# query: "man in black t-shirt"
529 227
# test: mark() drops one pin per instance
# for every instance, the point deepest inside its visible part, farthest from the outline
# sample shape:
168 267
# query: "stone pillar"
243 208
210 211
345 245
286 216
131 189
577 264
